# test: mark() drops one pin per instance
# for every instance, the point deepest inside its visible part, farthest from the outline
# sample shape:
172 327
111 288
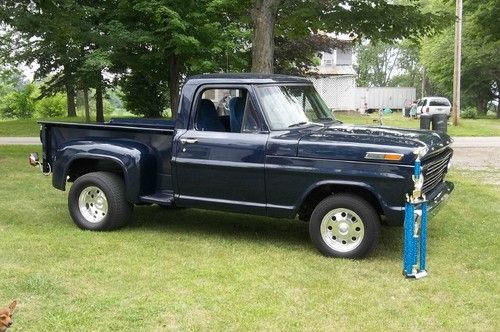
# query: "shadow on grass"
250 228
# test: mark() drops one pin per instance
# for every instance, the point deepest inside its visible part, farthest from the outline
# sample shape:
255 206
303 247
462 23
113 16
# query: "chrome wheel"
93 204
342 229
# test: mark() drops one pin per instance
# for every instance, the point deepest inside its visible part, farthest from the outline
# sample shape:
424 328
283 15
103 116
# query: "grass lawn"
479 127
30 127
199 270
467 127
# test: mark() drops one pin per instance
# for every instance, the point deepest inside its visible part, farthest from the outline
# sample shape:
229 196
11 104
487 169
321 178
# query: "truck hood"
353 142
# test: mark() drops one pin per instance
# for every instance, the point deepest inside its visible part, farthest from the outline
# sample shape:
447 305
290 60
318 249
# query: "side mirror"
33 159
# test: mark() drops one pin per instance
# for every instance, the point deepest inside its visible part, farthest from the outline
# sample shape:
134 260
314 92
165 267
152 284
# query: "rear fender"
136 161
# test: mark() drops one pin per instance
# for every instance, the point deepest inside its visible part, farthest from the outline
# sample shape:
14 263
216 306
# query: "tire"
97 202
344 226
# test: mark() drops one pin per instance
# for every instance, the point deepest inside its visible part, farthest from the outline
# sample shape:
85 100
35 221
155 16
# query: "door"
219 162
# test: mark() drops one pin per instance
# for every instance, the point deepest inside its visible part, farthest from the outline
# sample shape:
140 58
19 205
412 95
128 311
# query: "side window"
226 110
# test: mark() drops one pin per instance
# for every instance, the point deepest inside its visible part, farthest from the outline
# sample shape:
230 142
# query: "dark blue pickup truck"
256 144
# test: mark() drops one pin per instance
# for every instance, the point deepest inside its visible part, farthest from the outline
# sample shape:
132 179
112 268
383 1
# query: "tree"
264 14
67 40
377 63
480 50
296 56
39 31
372 19
10 80
389 64
162 41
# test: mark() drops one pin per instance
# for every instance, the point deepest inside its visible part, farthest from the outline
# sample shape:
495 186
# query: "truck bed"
151 137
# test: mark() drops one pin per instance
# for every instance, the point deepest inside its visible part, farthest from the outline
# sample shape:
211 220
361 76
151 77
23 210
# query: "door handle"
188 140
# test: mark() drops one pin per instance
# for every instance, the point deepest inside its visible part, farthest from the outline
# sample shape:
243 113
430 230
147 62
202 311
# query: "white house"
335 79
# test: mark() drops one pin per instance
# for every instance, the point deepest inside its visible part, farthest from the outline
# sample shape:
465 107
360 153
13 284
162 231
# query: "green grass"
467 127
199 270
478 127
30 127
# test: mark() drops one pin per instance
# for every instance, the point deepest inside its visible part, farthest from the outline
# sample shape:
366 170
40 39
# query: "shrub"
469 113
7 106
109 108
19 104
53 106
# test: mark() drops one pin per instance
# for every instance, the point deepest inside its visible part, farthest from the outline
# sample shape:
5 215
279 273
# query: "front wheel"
344 226
97 202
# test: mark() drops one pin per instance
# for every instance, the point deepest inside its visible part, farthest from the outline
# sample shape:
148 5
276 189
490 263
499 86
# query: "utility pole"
457 63
423 83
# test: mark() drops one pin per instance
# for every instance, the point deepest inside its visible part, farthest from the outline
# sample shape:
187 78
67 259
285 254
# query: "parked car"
433 105
278 153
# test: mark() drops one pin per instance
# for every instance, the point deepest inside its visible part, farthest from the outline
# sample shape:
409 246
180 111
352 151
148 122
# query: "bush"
53 106
19 104
7 106
469 113
109 108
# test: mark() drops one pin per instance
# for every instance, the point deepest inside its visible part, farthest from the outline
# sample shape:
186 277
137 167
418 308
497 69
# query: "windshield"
294 105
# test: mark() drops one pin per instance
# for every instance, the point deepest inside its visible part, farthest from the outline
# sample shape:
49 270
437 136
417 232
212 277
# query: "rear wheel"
97 202
345 226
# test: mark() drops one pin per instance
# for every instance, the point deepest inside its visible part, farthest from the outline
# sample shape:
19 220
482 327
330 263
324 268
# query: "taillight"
427 110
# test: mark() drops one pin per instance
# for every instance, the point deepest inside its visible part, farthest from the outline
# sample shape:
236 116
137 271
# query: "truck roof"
247 78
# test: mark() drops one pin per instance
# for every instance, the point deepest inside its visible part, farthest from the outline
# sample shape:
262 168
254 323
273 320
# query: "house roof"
333 70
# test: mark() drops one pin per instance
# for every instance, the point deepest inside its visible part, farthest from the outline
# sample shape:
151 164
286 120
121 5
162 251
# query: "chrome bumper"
439 195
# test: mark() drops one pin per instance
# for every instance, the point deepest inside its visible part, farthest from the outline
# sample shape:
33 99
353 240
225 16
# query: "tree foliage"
377 20
389 64
148 47
480 54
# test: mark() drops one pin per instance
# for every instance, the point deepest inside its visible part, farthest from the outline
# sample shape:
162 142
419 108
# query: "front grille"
434 169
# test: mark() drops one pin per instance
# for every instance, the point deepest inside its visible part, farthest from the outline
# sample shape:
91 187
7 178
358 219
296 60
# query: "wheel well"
321 192
83 166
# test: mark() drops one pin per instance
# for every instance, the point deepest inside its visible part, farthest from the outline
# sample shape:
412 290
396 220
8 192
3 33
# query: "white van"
433 105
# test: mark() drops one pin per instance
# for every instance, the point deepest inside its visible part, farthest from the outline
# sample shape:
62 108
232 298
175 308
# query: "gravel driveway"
476 153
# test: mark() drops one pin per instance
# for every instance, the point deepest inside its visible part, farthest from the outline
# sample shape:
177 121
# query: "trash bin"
407 112
440 122
425 122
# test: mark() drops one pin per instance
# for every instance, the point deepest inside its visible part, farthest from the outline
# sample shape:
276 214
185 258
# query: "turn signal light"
384 156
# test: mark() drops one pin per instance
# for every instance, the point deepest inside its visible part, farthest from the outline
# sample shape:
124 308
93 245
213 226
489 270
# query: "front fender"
137 162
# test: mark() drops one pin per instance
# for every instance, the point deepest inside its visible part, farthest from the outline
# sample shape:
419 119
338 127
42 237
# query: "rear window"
439 102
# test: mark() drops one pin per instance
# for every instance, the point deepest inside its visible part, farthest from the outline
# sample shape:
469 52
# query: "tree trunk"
481 103
99 108
86 104
173 83
263 20
70 97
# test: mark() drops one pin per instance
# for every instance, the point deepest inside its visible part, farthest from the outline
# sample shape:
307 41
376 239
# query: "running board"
164 197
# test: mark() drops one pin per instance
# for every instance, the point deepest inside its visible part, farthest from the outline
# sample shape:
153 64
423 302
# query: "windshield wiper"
298 124
305 123
328 119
